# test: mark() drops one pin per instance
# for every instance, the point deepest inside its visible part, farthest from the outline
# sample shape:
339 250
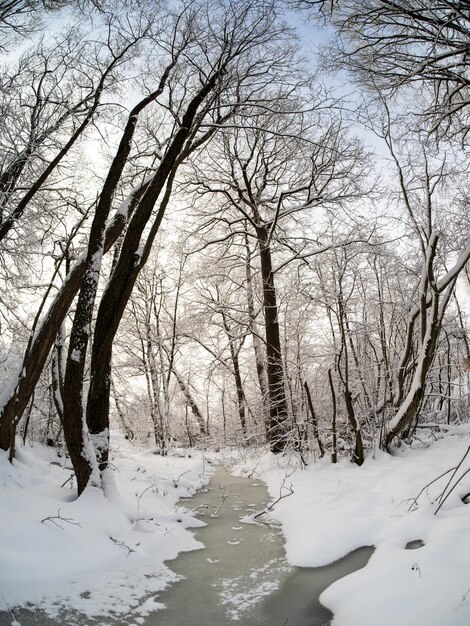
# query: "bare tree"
267 174
389 43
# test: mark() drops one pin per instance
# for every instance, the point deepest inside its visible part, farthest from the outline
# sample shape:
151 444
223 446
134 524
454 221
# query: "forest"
233 224
199 243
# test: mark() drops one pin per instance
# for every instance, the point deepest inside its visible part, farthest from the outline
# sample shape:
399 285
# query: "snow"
337 508
103 554
97 554
76 355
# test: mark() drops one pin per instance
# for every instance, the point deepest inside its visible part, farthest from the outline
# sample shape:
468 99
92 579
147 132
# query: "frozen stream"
241 577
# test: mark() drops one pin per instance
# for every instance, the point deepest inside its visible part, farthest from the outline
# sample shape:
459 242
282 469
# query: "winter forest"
239 228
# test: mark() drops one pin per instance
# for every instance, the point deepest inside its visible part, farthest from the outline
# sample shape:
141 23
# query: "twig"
139 496
452 477
122 545
71 477
176 480
52 519
281 496
415 500
214 511
450 491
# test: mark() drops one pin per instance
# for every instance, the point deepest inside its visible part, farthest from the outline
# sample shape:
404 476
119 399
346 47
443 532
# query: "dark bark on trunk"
128 266
278 413
37 353
240 393
412 402
257 346
358 453
57 375
236 373
314 421
79 337
334 453
431 312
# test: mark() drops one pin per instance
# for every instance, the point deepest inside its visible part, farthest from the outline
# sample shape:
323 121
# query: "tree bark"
190 401
255 333
236 372
278 413
14 404
314 421
127 268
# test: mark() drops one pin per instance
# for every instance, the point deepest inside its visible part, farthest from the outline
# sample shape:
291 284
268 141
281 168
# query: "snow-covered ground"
104 555
337 508
99 555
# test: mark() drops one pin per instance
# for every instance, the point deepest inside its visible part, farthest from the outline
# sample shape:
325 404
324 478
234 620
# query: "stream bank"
242 576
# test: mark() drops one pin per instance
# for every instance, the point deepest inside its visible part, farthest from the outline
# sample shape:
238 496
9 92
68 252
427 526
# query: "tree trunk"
190 401
358 453
236 372
412 402
255 334
14 404
313 418
334 453
278 414
128 266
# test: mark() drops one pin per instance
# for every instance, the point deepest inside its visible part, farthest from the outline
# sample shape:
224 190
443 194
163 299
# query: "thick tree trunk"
431 312
128 266
14 402
412 402
79 337
278 413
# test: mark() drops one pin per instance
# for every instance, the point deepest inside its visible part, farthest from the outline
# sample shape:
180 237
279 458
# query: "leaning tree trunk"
431 311
126 270
190 401
408 411
79 336
14 404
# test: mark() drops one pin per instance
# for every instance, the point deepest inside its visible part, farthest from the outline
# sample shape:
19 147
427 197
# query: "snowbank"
98 555
337 508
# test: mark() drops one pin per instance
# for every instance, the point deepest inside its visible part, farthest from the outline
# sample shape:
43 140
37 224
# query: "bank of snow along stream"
110 559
